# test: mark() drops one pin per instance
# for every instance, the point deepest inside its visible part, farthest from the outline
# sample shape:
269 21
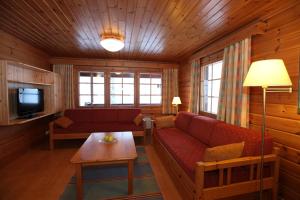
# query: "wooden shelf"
23 121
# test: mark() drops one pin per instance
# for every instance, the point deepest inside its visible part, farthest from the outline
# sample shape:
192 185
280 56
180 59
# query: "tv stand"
28 116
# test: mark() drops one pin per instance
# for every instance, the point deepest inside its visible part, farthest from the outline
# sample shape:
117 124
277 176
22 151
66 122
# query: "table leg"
79 186
130 177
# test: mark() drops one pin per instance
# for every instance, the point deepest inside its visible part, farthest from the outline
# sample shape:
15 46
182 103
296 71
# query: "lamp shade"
112 43
176 101
267 73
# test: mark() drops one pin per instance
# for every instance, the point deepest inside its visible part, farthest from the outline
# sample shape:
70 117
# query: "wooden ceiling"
164 30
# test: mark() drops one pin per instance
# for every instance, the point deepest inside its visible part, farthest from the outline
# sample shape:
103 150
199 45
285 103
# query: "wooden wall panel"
15 140
12 48
281 40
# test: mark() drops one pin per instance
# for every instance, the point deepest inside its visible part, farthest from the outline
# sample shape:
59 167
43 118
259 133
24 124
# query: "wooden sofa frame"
77 135
195 190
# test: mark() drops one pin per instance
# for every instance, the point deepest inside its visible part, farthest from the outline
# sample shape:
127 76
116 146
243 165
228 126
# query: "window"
91 88
150 88
121 88
210 87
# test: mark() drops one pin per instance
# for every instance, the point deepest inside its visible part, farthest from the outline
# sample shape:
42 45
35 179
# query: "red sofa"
86 121
183 146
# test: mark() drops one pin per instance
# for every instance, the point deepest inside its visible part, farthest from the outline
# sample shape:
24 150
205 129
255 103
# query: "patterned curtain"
234 98
66 72
195 87
170 89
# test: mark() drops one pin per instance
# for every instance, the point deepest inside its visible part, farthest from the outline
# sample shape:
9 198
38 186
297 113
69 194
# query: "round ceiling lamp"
112 43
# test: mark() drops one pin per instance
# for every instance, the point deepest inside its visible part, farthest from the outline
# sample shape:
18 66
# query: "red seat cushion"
185 149
82 127
183 120
79 115
128 115
201 128
227 134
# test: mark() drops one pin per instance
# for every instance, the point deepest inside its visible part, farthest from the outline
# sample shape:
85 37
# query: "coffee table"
95 152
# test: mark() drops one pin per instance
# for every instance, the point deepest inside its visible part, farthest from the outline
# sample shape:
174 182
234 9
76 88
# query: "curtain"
194 105
66 72
170 89
233 104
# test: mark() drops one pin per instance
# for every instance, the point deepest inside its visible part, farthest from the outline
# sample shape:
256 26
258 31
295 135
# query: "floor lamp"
267 74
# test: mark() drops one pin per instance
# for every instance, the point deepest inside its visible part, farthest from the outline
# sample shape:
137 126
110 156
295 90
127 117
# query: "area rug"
110 182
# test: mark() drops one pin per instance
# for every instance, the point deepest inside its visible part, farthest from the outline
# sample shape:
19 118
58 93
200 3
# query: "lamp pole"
263 128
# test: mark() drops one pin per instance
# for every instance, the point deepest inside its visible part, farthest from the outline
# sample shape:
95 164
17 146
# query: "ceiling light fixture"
112 43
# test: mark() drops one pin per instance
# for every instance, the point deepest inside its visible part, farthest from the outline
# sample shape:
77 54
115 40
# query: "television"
29 102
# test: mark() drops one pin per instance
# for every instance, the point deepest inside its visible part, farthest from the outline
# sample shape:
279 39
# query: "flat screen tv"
29 102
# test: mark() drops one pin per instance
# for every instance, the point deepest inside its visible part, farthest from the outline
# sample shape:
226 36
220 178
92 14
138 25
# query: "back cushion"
79 115
128 115
201 128
226 134
183 120
104 115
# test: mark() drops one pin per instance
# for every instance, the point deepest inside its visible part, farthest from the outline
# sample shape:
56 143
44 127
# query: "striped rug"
110 182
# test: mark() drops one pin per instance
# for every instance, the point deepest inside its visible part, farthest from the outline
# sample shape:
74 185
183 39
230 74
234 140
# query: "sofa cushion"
183 120
104 115
127 114
224 152
138 119
79 115
83 127
226 134
63 122
164 121
116 126
201 128
185 149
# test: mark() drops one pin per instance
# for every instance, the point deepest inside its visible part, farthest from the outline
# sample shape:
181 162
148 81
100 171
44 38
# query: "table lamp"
176 101
267 74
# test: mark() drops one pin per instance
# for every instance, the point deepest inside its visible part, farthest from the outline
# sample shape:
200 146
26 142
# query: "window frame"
150 84
91 72
122 95
211 97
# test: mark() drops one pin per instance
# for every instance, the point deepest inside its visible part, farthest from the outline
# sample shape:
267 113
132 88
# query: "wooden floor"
42 174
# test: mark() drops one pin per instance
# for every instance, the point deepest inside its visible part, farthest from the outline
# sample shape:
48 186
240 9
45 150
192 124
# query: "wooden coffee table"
95 152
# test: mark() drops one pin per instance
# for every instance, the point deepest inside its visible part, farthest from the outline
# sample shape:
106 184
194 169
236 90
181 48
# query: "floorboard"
42 174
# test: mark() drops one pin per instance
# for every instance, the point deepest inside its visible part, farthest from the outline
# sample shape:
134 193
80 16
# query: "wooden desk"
94 152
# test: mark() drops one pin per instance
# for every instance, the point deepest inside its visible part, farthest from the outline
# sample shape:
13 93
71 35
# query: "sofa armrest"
225 167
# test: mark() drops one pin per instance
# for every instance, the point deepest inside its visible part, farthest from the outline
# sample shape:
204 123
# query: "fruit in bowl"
108 138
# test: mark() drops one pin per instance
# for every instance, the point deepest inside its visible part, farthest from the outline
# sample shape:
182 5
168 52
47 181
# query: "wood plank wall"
281 40
15 140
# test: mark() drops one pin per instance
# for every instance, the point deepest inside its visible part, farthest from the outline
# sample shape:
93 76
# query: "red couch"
183 147
86 121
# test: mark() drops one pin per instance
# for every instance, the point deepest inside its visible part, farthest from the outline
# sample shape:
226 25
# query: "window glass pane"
209 86
216 88
205 88
217 70
84 88
128 99
128 89
214 104
116 77
84 77
145 78
128 77
156 89
144 89
205 104
155 99
210 72
144 99
116 99
116 89
156 79
209 104
98 89
98 99
98 77
205 73
84 100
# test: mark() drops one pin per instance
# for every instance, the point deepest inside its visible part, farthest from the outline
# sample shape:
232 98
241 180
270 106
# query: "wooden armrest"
237 162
